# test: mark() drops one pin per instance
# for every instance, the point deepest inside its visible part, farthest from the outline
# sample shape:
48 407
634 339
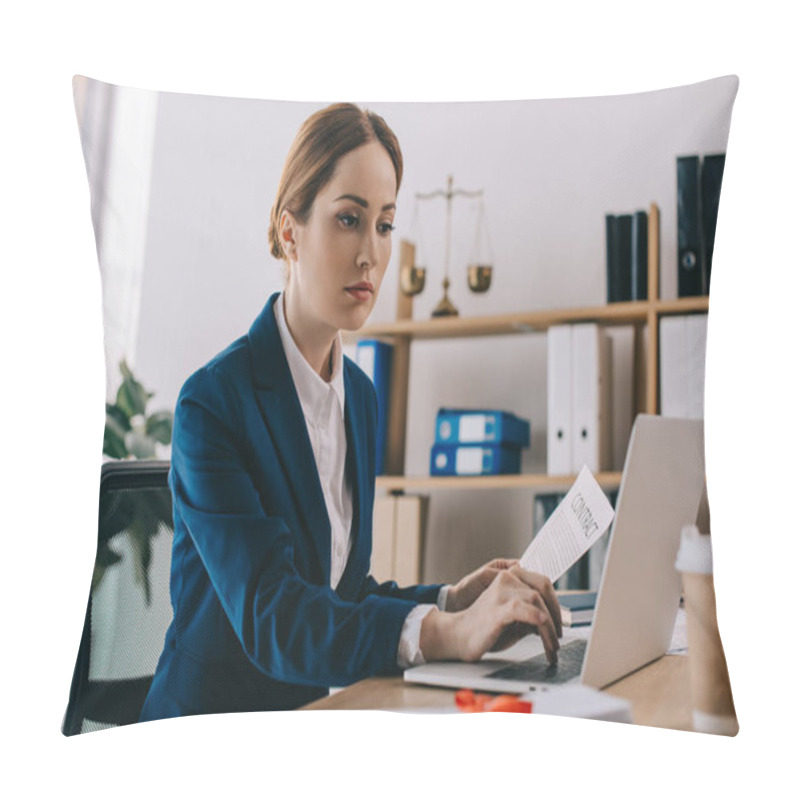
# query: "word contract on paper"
581 518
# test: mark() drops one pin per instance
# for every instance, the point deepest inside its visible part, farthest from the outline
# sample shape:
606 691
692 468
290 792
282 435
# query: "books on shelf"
460 426
481 459
398 538
589 397
374 357
588 401
710 186
682 365
639 256
478 442
578 608
626 257
699 181
559 400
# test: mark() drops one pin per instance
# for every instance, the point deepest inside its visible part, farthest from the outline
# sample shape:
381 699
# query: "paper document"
581 518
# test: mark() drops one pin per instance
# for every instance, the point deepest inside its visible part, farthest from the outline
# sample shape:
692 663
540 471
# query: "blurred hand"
515 603
463 594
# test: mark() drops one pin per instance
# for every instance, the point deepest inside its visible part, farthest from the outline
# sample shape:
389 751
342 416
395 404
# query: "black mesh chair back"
129 607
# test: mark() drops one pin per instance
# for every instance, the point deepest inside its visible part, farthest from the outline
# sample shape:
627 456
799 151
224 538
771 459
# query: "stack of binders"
626 257
478 442
682 365
699 184
589 398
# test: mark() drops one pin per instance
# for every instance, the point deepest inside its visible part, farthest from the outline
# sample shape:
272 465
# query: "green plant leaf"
119 417
131 397
159 426
114 439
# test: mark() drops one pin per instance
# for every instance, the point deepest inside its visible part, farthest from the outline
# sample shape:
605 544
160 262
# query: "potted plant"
131 433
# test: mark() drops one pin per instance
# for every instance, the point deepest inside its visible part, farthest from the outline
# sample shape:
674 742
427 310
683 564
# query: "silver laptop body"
637 603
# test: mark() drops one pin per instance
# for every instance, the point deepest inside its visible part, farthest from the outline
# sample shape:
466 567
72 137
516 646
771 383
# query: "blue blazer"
256 624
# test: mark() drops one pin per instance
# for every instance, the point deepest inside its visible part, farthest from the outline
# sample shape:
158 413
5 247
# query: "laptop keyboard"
538 670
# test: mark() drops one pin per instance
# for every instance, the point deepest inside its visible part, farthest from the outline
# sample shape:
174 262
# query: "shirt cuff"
408 652
441 600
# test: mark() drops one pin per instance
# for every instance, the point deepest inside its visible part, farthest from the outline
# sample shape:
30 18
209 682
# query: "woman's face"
339 256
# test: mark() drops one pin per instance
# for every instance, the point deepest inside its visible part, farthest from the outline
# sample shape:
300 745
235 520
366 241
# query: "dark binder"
639 250
690 268
625 239
612 260
711 182
618 258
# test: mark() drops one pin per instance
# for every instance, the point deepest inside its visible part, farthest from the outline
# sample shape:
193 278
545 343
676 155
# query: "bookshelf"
644 315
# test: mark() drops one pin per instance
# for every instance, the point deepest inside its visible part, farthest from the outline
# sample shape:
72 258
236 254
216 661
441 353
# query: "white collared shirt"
323 408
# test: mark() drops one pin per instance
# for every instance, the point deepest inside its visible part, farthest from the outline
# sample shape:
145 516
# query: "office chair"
129 606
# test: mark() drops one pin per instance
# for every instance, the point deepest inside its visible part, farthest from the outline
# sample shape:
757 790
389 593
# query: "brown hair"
322 140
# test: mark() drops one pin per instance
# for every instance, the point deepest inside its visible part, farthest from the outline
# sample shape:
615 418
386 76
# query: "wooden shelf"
529 321
539 483
683 305
644 315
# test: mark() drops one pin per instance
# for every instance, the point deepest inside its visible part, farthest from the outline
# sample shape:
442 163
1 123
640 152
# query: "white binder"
683 365
696 337
591 386
672 363
559 400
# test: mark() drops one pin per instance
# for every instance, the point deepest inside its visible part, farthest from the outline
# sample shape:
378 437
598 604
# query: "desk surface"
658 692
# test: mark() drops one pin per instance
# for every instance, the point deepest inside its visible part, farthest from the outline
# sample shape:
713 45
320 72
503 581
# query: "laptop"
639 595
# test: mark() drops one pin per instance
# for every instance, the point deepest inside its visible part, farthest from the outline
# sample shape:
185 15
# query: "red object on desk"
468 701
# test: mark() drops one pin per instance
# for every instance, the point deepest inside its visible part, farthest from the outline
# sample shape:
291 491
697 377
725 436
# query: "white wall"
550 171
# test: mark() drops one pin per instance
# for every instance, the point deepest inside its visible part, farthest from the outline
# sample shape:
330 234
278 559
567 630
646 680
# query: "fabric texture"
264 591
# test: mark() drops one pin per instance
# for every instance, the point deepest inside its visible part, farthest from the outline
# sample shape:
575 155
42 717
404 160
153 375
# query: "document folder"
590 398
683 350
472 426
713 167
690 268
559 400
490 459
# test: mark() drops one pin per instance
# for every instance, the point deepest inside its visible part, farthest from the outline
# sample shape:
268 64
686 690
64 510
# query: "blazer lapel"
283 416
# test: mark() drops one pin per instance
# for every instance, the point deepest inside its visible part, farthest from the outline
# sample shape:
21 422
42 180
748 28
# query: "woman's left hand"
472 586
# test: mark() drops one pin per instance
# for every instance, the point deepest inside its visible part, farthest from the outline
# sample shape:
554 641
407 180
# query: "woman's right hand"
516 603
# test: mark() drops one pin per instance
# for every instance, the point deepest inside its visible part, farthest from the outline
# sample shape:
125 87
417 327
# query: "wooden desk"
658 692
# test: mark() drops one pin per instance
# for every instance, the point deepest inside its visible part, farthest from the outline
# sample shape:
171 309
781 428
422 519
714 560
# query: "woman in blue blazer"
273 474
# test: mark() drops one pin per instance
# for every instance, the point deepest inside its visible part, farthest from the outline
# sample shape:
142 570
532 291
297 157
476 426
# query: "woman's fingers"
535 613
544 586
526 605
503 563
547 630
515 603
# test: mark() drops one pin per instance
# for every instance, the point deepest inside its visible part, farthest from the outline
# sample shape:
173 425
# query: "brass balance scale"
479 276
